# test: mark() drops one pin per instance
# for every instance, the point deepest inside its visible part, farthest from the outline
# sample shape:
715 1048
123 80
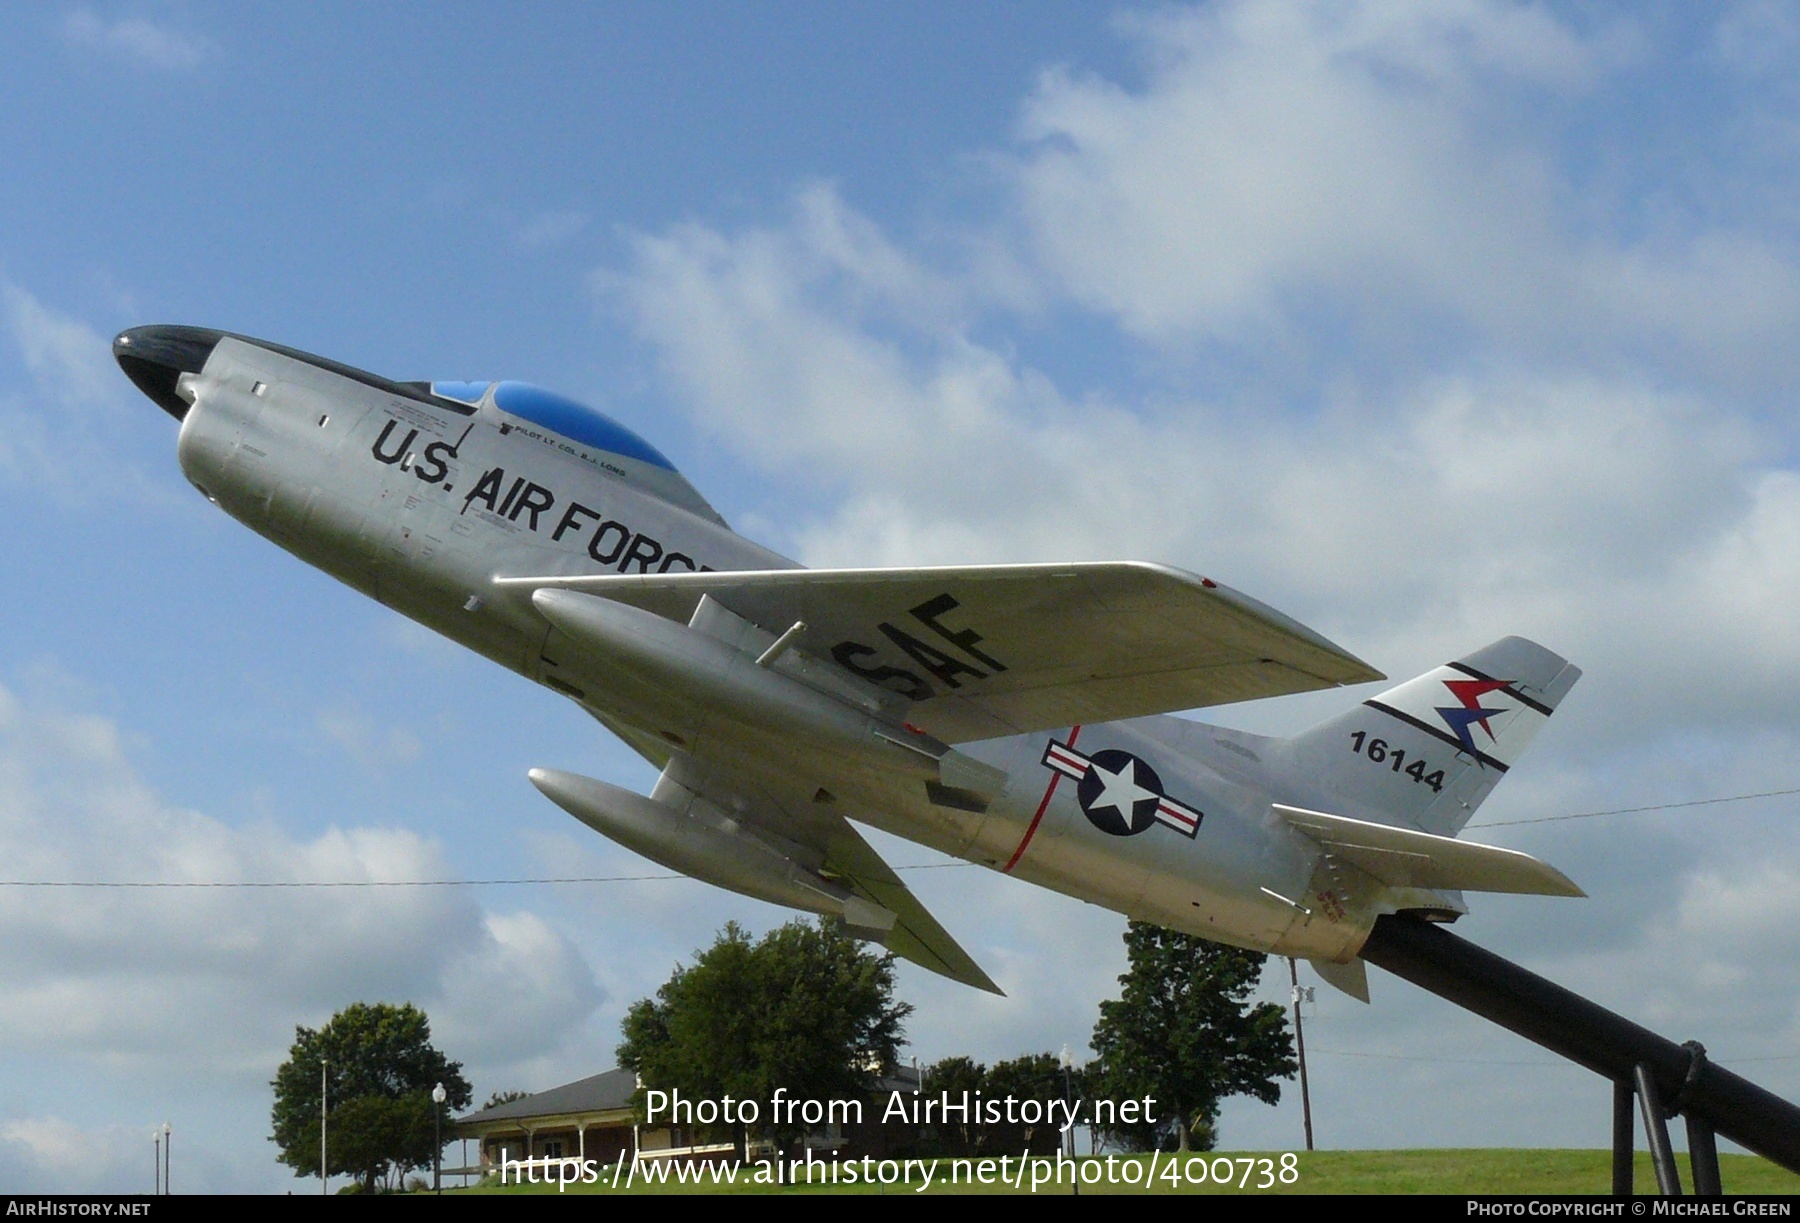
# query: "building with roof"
595 1118
591 1118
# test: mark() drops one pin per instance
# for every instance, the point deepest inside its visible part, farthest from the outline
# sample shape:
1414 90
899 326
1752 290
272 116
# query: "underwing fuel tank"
696 681
714 850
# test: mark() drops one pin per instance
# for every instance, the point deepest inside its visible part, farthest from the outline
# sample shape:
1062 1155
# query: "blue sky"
1426 325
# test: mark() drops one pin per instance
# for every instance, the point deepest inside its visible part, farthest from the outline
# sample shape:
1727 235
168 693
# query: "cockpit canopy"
595 435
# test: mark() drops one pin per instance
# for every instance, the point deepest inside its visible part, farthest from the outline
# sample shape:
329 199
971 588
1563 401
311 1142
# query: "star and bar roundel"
1119 793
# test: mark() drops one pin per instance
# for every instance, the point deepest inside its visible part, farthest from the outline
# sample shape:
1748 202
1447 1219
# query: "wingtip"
1555 883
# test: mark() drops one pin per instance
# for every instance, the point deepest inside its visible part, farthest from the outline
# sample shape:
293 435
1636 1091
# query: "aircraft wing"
822 841
990 650
916 934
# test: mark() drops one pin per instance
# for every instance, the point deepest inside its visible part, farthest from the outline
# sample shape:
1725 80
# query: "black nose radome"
154 357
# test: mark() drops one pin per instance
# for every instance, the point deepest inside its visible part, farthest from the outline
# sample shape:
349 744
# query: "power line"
319 883
1588 815
919 866
377 883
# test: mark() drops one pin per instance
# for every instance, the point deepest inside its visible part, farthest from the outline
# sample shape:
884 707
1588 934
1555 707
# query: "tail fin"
1429 751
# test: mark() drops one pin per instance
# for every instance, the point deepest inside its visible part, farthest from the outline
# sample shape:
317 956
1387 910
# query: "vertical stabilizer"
1427 752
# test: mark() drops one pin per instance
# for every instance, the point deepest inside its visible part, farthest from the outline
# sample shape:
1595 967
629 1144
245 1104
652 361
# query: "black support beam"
1624 1138
1585 1032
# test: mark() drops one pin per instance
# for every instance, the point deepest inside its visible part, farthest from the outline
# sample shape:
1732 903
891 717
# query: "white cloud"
547 229
65 356
135 40
1754 36
1714 955
1631 524
374 747
1397 168
1635 529
63 425
764 335
144 980
52 1154
1264 156
1007 925
1582 464
549 989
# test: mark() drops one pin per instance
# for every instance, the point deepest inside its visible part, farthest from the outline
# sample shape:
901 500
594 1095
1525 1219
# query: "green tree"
1034 1076
1183 1034
806 1009
380 1071
957 1078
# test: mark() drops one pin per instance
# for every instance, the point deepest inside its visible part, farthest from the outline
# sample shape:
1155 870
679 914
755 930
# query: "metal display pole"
1585 1032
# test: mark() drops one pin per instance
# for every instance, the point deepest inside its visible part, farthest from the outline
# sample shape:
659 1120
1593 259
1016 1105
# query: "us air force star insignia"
1119 793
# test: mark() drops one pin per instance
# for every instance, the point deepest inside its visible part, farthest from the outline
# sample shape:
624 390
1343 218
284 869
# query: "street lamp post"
1300 996
323 1064
168 1133
1068 1065
156 1157
438 1096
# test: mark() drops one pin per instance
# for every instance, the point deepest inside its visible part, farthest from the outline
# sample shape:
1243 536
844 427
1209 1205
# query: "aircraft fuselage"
421 500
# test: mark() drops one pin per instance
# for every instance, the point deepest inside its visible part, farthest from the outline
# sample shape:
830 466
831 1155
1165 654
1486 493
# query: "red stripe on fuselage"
1049 792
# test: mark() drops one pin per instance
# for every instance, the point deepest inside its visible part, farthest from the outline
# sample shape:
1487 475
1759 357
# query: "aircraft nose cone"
154 357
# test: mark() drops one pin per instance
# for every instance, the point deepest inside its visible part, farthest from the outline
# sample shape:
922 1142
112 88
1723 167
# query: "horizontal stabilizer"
980 651
1401 857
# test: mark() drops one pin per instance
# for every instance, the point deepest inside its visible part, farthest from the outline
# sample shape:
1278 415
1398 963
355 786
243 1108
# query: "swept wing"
822 843
976 652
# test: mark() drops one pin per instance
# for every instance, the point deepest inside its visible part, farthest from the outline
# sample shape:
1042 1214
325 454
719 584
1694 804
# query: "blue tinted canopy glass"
576 421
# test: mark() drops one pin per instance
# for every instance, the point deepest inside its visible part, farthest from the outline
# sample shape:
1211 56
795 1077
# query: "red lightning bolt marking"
1470 692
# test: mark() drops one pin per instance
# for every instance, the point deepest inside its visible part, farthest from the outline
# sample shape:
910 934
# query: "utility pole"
1300 1043
323 1064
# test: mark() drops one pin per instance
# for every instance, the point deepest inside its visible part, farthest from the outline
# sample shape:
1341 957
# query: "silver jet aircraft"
1014 716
